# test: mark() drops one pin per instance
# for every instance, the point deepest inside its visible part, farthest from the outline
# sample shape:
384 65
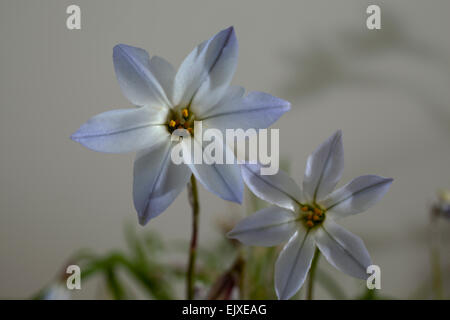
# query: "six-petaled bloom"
305 217
167 100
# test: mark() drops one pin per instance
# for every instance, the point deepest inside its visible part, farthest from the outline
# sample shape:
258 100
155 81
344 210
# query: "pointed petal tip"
144 217
118 47
232 195
283 295
364 275
231 234
230 35
236 197
78 135
142 221
382 179
280 296
73 137
230 29
234 233
147 212
241 195
284 104
388 181
338 134
288 105
143 212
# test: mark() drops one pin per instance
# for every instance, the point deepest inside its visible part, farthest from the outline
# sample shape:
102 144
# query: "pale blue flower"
57 291
166 98
306 218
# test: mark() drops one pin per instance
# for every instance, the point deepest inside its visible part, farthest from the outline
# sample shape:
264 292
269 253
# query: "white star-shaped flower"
168 100
306 218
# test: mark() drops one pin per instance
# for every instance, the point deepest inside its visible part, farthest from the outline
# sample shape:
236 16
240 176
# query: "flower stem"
312 272
190 275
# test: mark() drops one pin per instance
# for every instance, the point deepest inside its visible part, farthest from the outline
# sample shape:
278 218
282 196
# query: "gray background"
387 90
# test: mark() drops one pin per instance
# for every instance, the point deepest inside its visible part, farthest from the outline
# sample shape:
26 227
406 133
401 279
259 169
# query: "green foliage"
141 262
259 273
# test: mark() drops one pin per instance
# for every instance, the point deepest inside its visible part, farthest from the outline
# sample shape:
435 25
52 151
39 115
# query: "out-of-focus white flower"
305 218
168 100
57 291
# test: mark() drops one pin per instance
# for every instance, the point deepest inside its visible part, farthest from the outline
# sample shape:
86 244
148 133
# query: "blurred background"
388 90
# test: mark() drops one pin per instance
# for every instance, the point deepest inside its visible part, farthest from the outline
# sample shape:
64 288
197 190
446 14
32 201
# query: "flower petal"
343 249
219 78
224 180
357 195
157 181
257 110
164 73
231 96
232 93
206 73
267 227
123 130
293 264
137 82
277 189
324 168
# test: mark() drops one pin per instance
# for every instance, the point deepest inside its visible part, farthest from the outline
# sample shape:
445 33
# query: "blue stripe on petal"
123 130
206 72
139 85
257 110
157 181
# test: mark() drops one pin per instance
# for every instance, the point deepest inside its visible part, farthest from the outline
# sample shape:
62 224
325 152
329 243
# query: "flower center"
183 119
312 215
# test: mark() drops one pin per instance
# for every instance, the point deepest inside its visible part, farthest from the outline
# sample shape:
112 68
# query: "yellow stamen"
309 224
309 216
318 211
185 113
316 217
172 123
304 208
